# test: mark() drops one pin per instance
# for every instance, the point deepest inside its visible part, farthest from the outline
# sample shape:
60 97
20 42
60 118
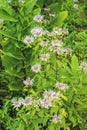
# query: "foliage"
43 65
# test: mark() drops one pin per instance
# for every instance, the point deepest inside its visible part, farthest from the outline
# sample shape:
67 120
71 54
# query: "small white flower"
28 101
46 9
36 68
56 119
46 103
57 43
28 40
9 1
1 21
38 18
37 32
45 56
61 86
75 0
83 65
28 81
16 103
51 95
44 43
75 6
21 1
52 15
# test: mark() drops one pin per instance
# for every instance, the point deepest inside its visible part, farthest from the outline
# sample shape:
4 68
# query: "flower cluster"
21 101
45 102
83 66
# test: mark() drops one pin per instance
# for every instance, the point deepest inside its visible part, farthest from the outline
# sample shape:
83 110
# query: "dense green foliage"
43 65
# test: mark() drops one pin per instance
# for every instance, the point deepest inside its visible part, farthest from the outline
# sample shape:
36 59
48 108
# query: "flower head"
75 6
28 101
28 39
16 103
44 43
61 86
56 119
83 66
28 81
45 56
46 9
46 103
57 43
36 68
52 15
38 18
37 32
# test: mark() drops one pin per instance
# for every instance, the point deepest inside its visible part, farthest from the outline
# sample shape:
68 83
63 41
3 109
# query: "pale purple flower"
44 56
46 9
36 68
61 86
59 51
28 81
44 43
57 43
37 32
52 15
56 119
28 40
16 103
28 101
38 18
46 103
75 6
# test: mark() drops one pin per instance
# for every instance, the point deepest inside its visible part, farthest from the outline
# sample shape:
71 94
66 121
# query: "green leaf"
21 126
59 20
4 15
30 4
74 63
